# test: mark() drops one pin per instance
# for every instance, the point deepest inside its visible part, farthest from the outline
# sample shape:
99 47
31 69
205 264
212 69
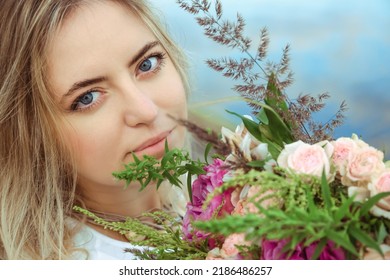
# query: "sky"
339 47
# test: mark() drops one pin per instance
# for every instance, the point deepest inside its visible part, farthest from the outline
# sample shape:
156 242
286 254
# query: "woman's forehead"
90 39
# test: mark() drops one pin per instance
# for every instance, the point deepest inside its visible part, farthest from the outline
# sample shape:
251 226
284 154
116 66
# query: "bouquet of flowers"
278 187
328 200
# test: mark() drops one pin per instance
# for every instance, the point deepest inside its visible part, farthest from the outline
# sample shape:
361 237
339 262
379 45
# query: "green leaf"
172 180
320 246
159 181
256 163
371 202
136 159
382 233
194 169
275 134
301 214
312 208
326 193
146 182
262 116
280 131
364 238
207 151
342 240
274 213
167 157
273 149
344 209
166 148
276 99
189 185
252 126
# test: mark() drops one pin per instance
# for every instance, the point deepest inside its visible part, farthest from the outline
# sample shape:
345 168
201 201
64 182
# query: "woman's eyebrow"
83 84
88 82
142 51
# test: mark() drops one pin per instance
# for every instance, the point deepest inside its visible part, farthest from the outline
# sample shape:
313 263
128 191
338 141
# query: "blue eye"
84 101
149 64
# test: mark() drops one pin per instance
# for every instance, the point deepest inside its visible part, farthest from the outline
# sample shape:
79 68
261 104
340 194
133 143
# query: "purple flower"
273 250
330 251
218 206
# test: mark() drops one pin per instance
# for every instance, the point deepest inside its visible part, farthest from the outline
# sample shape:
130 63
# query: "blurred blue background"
339 47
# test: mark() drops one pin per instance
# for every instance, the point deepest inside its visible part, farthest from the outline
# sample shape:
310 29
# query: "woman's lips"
154 146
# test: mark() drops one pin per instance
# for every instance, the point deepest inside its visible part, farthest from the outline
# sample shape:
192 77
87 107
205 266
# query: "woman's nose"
140 108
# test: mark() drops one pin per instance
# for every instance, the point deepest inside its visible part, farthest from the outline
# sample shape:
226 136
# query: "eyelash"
74 108
160 63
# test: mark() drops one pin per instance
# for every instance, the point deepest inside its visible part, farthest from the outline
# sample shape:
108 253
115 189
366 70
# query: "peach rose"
363 164
252 194
229 249
342 148
308 159
266 199
239 208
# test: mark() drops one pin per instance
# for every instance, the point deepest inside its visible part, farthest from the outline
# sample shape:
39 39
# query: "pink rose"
307 159
229 249
219 205
363 164
330 252
343 147
207 183
273 250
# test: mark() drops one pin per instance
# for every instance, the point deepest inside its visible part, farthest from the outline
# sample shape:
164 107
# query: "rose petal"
260 151
379 212
374 255
361 194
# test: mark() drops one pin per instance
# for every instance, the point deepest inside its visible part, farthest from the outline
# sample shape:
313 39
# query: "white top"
100 247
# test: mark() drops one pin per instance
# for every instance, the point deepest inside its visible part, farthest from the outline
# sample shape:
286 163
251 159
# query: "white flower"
249 146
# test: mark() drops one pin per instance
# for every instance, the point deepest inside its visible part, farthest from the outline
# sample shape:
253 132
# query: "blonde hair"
37 175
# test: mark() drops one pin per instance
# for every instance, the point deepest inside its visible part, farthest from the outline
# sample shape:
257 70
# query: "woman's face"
117 86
